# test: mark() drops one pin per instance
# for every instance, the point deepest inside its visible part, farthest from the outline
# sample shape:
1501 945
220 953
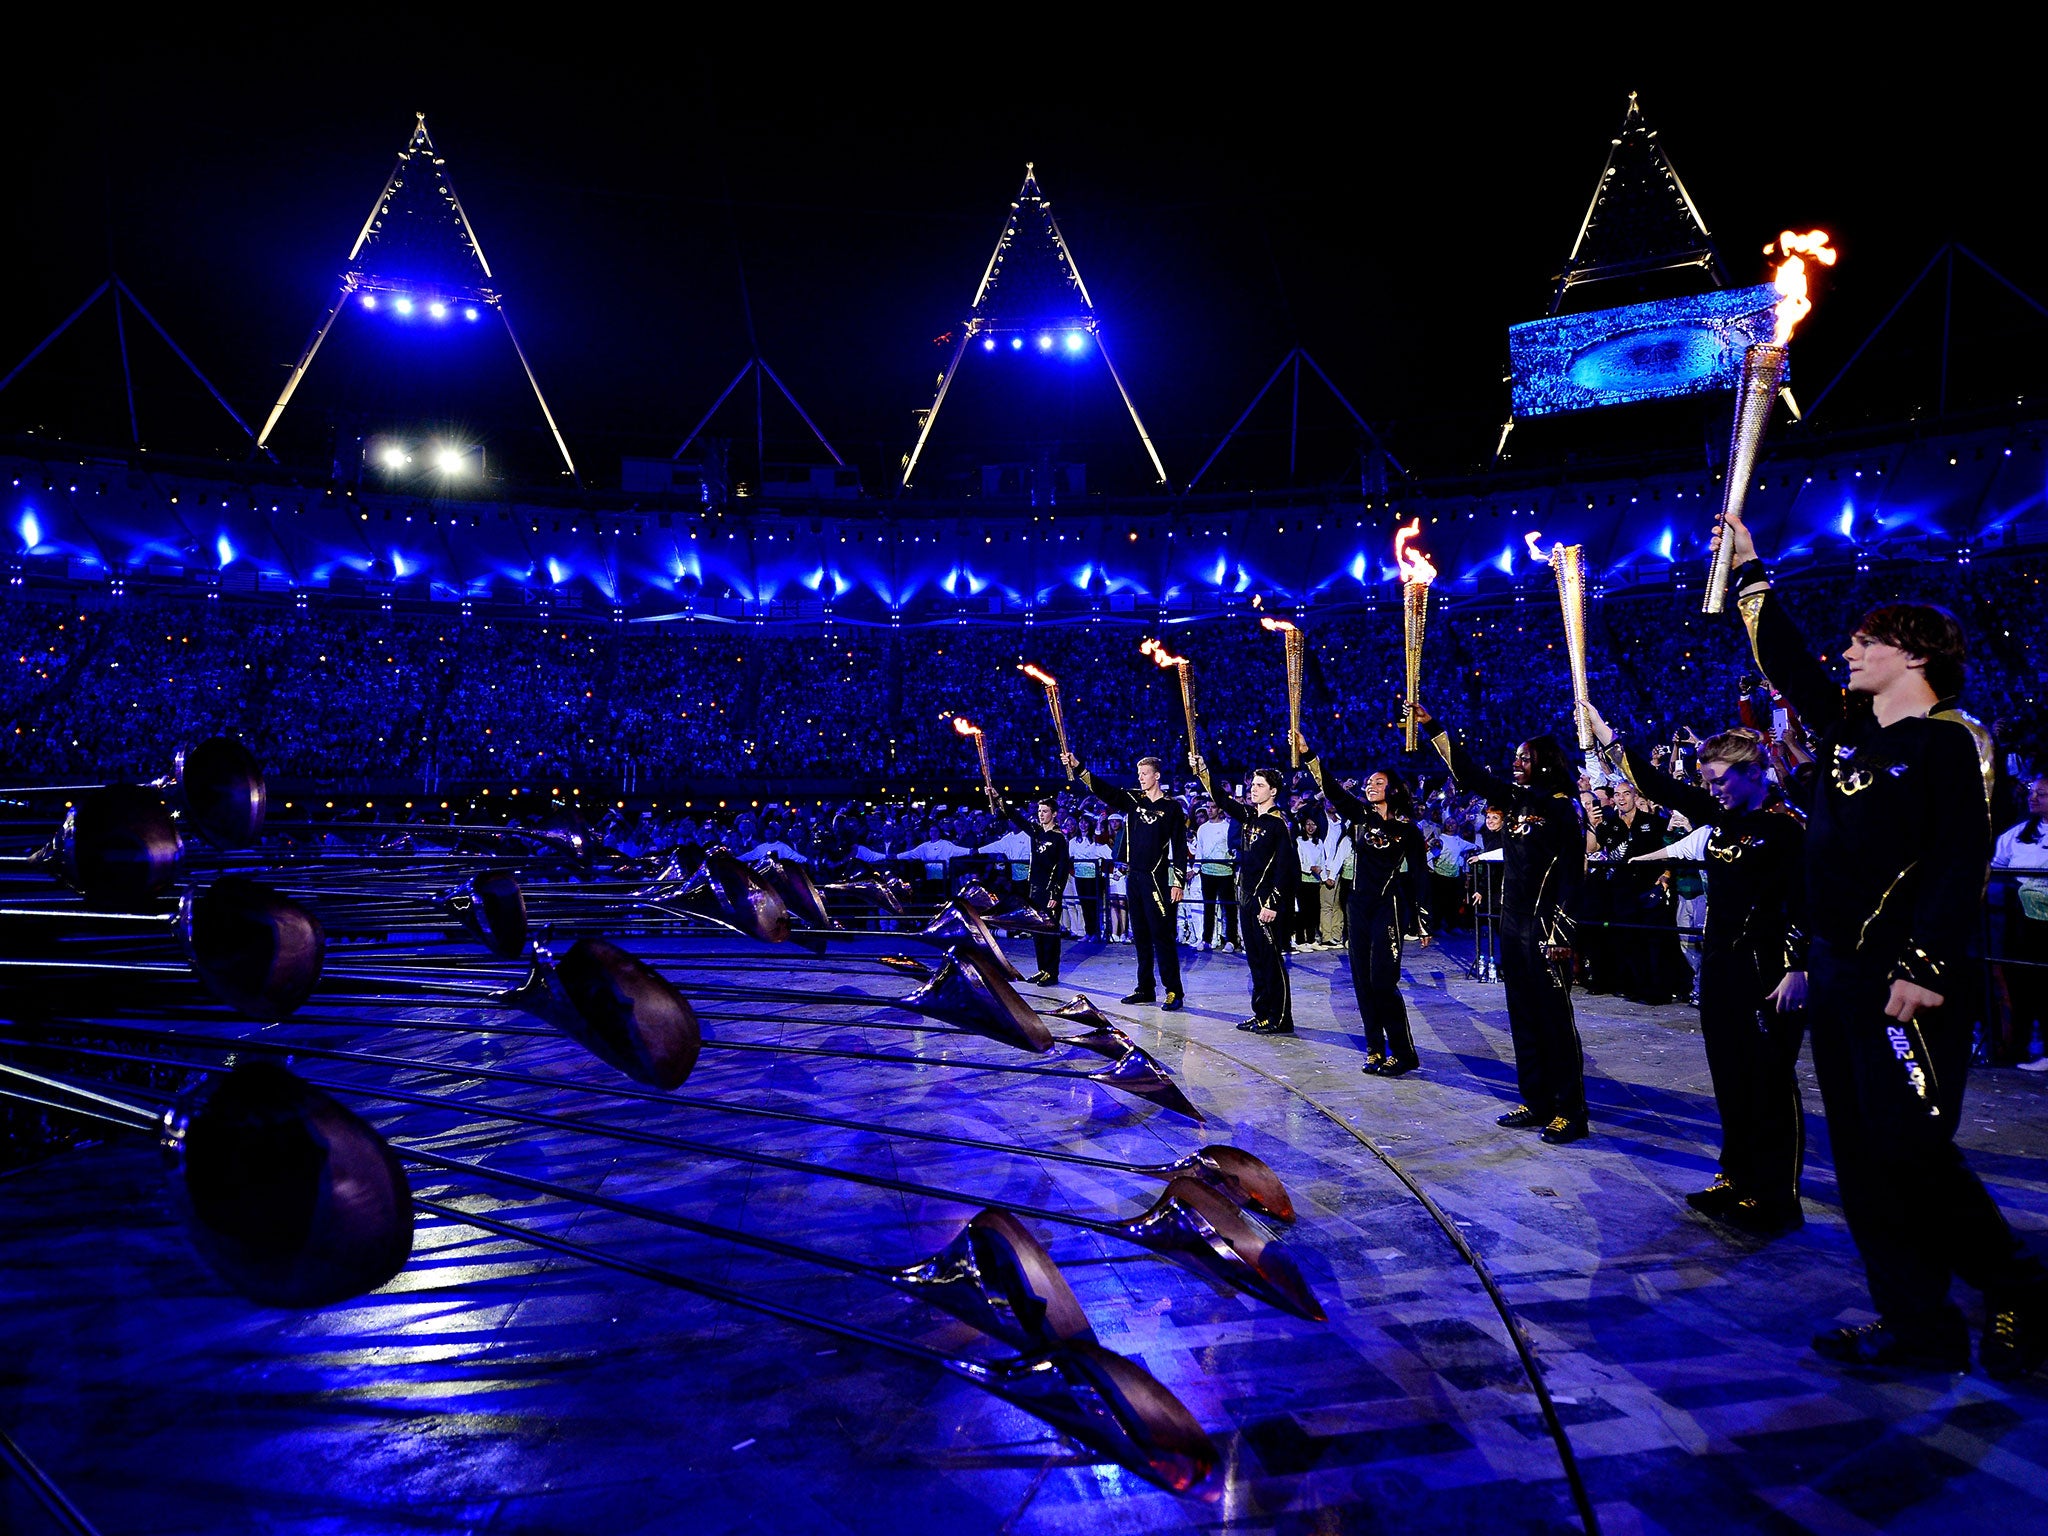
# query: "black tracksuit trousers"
1550 1066
1155 931
1272 997
1375 943
1918 1213
1752 1054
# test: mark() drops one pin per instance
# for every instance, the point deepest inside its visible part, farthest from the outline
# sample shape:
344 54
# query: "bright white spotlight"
449 461
1045 342
469 313
403 306
1075 341
988 343
438 310
1016 343
369 301
391 456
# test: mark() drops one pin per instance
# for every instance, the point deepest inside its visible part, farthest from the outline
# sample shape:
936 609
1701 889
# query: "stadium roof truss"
417 240
1031 283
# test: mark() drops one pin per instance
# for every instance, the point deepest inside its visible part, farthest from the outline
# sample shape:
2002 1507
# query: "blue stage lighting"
369 301
469 312
1075 341
402 305
225 550
30 529
1016 343
1045 342
988 343
438 310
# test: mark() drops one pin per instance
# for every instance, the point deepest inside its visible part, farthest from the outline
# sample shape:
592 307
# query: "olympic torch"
1416 575
1162 657
988 777
1296 644
1763 375
1568 563
1052 700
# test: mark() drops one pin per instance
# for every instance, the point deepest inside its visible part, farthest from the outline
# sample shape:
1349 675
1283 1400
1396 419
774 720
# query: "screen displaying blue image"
1639 352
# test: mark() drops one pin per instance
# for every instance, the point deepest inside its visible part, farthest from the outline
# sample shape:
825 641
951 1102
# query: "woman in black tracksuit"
1388 897
1546 866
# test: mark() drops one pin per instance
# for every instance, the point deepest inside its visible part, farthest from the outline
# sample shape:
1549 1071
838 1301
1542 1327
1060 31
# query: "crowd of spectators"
331 696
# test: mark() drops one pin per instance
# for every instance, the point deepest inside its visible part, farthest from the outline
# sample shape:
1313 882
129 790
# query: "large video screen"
1639 352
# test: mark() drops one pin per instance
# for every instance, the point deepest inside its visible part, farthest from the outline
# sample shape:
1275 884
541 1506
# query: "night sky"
1392 208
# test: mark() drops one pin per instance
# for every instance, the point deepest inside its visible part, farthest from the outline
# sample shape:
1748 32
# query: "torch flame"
1413 563
1535 554
1161 656
960 724
1038 676
1790 279
1267 621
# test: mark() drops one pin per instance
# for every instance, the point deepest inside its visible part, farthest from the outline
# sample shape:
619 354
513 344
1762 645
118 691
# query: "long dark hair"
1400 798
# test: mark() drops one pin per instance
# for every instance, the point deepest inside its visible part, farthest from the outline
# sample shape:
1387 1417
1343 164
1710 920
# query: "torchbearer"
1051 863
1266 877
1157 828
1752 970
1545 851
1897 848
1388 899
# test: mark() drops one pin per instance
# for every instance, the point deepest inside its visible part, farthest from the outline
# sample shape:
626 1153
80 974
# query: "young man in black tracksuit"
1752 972
1267 873
1050 866
1157 830
1388 898
1897 849
1546 866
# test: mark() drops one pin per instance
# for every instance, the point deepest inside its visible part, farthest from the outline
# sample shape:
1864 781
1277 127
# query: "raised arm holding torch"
988 777
1162 657
1052 700
1297 655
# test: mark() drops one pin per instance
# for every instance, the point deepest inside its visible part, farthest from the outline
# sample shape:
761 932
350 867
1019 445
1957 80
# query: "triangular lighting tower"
417 253
1031 291
1641 219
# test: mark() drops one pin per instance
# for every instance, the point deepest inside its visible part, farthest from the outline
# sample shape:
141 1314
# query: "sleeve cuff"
1920 968
1750 573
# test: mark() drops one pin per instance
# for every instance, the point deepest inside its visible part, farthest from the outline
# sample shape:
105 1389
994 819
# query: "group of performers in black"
1849 918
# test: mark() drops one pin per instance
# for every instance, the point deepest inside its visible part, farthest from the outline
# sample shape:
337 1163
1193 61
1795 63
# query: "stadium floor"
494 1389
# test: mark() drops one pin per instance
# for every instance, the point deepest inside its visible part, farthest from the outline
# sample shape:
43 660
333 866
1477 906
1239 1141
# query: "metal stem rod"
541 1118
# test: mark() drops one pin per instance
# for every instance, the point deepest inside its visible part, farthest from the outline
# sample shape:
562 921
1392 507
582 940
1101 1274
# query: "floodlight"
403 306
1045 342
1075 341
469 312
1016 343
438 310
392 456
449 461
369 301
988 344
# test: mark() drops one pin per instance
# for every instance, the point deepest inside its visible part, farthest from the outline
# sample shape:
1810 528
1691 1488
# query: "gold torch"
1763 375
988 777
1568 563
1297 654
1416 575
1162 657
1052 699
